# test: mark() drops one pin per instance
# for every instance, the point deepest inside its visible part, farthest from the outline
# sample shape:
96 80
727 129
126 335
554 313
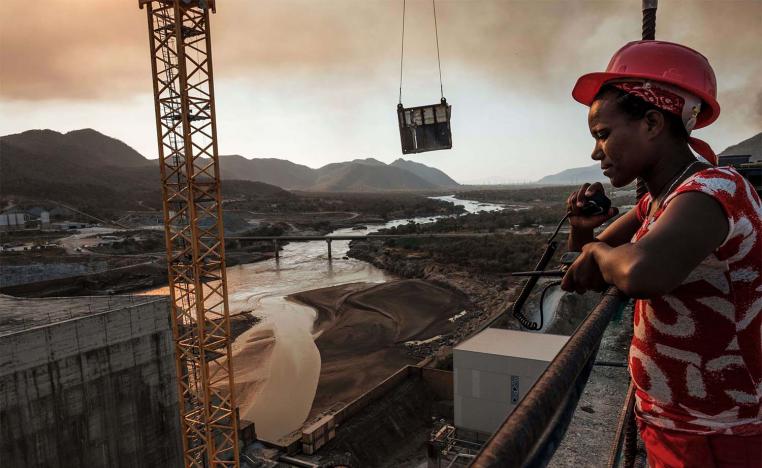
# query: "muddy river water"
277 360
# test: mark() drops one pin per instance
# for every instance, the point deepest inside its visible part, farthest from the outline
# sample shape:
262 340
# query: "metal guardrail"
530 435
625 444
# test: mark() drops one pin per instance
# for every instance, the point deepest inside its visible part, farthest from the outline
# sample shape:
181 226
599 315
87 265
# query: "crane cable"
402 53
436 34
402 47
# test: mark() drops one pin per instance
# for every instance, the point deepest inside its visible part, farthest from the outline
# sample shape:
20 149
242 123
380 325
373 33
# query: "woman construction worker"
690 253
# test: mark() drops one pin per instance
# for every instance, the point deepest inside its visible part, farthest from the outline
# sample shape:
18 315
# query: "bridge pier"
329 249
275 247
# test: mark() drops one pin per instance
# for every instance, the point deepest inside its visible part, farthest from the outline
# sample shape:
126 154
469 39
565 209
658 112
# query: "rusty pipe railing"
531 433
625 443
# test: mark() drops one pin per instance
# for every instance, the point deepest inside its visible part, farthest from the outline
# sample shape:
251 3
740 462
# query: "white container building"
493 371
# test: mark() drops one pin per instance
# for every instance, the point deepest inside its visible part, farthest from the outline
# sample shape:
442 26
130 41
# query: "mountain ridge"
575 175
751 146
88 147
92 171
84 146
427 173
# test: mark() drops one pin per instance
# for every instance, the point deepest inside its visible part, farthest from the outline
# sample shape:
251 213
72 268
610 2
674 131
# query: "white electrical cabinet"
493 371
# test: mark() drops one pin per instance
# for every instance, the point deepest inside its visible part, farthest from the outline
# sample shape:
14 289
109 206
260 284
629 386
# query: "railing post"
275 247
329 249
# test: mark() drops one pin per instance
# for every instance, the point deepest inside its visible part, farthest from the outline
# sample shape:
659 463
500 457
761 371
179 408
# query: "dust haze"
82 49
96 52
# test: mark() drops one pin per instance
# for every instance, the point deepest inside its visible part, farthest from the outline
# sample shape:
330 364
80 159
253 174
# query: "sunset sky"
316 81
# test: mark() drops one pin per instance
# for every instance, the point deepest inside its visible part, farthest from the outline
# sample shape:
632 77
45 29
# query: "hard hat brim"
589 85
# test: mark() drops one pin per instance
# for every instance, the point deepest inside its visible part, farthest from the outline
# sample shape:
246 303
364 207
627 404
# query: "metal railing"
530 435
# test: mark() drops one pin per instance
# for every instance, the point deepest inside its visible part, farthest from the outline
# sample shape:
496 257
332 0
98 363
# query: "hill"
574 176
362 177
429 174
752 146
85 146
90 171
279 172
358 175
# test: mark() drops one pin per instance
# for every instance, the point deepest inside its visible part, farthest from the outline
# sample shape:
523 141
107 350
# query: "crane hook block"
425 128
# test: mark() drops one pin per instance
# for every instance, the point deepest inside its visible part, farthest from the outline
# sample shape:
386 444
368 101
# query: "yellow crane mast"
181 64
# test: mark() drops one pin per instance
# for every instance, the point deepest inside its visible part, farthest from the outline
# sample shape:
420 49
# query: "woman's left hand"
584 274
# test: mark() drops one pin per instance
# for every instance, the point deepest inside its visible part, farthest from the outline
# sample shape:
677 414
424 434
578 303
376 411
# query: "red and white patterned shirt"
696 353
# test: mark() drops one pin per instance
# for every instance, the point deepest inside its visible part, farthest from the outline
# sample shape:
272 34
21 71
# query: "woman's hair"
636 109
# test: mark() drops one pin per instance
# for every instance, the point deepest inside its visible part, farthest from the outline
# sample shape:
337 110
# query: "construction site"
202 327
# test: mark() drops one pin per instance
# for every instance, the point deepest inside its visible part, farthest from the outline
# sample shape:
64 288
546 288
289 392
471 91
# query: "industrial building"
493 371
13 221
88 381
743 163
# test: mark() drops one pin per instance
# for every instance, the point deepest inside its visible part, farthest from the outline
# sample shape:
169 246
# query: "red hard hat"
658 61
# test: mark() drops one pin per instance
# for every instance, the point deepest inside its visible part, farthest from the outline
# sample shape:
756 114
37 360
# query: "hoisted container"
425 128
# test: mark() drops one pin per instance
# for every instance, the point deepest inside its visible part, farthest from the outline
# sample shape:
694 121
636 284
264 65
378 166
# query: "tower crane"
183 86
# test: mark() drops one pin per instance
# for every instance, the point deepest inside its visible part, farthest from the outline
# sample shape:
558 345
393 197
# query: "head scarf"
673 100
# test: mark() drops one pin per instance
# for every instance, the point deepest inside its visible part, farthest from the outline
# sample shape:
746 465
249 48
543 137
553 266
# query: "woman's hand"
584 274
577 200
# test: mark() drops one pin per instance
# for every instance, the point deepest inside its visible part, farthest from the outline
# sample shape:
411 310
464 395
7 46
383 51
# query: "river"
285 383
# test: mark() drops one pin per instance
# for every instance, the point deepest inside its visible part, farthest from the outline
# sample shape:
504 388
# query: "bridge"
350 237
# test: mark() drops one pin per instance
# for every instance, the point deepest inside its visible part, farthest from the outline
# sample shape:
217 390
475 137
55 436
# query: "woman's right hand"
577 200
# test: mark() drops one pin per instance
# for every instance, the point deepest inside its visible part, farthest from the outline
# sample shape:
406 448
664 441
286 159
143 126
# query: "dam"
88 381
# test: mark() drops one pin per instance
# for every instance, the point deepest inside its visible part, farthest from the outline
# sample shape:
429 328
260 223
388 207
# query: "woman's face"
621 144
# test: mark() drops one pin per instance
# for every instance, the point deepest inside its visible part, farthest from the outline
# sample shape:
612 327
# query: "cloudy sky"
317 81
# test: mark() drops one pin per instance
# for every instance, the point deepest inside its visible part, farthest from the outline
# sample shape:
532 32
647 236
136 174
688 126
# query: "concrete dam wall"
96 389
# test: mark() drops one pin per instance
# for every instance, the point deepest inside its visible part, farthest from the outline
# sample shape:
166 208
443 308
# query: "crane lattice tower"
181 63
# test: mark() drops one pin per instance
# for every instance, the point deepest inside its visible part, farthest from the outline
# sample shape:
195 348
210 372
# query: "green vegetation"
266 229
502 253
515 245
134 243
382 205
543 194
251 246
488 222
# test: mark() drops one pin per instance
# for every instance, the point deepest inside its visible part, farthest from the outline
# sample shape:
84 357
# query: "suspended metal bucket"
425 128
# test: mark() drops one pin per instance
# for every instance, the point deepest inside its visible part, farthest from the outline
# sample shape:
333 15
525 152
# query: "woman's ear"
654 122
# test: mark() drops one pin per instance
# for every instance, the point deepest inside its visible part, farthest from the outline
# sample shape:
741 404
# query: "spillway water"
285 382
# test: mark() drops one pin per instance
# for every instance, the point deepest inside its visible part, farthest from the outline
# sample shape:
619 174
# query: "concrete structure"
87 381
385 426
12 275
748 168
13 221
493 371
44 220
68 225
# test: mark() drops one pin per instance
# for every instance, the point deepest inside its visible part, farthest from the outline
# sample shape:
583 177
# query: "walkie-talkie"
597 204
